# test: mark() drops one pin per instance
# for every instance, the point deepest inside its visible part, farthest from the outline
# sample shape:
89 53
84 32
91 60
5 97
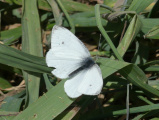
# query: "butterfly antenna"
98 47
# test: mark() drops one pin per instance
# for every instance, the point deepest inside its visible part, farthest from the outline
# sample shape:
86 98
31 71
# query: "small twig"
21 85
1 42
122 34
1 93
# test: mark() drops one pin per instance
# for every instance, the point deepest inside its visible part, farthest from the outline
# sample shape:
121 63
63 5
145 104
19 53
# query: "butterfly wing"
64 66
87 82
66 52
92 82
71 85
63 40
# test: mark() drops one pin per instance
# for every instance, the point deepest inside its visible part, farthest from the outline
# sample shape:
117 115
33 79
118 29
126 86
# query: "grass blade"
31 43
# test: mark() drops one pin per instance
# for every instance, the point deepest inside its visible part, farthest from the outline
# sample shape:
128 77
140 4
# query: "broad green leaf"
156 118
32 44
67 115
8 117
12 103
154 83
114 82
138 117
9 36
9 69
5 115
108 112
139 5
151 63
4 83
84 22
152 68
141 53
110 3
153 33
47 82
130 35
55 100
15 58
48 106
148 24
131 72
71 6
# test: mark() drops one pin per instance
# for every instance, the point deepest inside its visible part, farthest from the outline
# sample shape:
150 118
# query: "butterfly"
72 60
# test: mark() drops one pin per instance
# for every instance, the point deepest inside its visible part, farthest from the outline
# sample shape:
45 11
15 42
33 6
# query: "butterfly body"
85 64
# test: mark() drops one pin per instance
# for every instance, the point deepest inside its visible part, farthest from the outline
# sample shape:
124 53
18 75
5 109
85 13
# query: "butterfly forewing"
64 66
65 42
66 52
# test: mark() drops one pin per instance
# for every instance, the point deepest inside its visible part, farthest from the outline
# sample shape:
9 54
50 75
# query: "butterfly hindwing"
92 82
87 82
71 85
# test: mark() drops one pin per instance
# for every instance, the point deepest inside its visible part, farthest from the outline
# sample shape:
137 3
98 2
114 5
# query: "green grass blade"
141 53
129 36
5 115
105 35
56 12
70 6
67 16
55 100
31 43
139 5
48 106
12 104
131 72
152 68
9 36
4 83
148 24
109 112
15 58
153 33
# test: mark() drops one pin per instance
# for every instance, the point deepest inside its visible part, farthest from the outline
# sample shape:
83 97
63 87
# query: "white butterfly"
71 59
